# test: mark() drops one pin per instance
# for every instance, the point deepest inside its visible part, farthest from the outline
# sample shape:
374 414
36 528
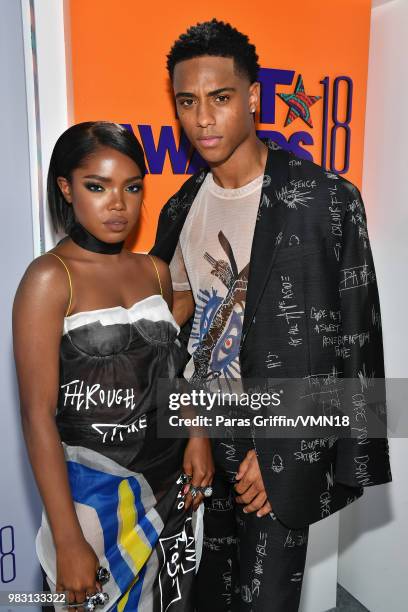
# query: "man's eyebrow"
108 180
184 94
216 92
187 94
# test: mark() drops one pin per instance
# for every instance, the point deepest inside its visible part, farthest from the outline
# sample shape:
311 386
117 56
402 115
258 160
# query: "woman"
93 333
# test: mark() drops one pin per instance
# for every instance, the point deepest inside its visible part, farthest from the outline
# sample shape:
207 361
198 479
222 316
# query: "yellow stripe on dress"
128 538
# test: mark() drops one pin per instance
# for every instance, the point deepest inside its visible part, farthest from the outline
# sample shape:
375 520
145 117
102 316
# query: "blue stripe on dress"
100 491
143 521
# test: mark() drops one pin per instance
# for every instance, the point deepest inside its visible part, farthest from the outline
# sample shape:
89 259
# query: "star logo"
299 103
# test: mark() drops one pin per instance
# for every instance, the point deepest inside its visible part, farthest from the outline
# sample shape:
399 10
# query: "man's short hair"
218 39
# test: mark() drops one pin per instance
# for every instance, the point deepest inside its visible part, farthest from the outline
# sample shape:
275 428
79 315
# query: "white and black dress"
125 481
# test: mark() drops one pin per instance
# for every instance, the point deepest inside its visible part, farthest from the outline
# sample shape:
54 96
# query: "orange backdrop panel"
119 52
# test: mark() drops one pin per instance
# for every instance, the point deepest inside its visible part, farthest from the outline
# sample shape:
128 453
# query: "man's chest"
216 246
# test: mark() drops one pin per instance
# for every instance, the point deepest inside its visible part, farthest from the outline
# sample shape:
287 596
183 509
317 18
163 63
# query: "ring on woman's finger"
194 491
92 600
206 491
102 575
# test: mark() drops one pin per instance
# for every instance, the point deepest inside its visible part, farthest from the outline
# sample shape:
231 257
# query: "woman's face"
106 193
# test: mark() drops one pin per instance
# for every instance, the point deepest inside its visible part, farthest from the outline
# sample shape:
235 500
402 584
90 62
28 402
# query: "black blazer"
311 233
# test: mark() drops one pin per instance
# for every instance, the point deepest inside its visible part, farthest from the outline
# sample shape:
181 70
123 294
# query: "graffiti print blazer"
311 237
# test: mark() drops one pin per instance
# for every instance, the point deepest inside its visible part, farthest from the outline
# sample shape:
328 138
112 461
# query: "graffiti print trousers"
249 564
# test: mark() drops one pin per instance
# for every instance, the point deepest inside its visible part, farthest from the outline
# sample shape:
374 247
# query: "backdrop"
313 56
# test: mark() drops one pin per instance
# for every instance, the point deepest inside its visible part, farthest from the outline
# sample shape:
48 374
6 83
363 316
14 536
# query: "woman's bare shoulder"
44 279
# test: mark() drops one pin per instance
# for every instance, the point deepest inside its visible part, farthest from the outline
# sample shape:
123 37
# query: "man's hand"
251 488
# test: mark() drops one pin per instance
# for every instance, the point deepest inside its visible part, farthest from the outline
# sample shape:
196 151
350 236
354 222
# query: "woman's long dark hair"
72 148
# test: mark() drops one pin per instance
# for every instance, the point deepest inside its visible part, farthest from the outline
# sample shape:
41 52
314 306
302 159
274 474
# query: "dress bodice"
111 363
113 330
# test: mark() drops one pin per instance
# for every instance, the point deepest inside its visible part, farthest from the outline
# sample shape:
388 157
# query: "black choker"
88 241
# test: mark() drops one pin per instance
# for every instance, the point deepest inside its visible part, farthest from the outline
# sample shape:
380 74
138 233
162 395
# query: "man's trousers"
248 564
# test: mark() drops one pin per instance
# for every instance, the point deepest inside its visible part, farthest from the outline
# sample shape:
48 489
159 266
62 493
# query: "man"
263 242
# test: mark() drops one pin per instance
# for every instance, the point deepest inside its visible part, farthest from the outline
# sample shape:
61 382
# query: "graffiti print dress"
125 482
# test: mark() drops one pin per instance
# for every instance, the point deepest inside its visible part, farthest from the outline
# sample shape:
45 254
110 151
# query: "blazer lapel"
269 229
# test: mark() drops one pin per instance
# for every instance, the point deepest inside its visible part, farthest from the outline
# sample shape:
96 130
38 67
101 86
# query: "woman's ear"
65 187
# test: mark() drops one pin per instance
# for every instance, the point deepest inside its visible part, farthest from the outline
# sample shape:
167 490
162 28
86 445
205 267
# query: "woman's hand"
77 565
198 463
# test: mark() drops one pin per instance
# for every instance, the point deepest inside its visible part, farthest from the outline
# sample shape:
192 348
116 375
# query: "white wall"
33 112
49 99
373 562
19 505
320 577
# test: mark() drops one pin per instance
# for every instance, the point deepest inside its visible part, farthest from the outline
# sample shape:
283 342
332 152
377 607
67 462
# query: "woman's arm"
198 461
183 306
180 302
165 280
39 307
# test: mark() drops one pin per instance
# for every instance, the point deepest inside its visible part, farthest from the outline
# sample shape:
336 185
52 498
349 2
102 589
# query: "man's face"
214 105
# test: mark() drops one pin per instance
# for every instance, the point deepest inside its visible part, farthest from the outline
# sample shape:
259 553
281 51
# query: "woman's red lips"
116 223
116 220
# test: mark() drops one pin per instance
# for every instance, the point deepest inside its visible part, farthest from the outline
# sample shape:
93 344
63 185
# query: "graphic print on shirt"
218 320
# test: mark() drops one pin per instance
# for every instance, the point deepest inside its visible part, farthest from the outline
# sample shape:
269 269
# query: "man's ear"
65 187
254 95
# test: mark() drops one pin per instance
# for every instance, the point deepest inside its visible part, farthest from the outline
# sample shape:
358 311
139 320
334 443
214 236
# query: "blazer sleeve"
362 459
172 218
169 226
163 243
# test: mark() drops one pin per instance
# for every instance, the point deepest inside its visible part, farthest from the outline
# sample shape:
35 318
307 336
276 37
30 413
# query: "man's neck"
245 164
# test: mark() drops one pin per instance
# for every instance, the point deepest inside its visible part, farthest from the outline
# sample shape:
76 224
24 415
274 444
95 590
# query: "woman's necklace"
88 241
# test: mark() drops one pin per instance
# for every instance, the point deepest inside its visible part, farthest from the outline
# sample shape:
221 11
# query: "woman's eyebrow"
105 179
98 177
